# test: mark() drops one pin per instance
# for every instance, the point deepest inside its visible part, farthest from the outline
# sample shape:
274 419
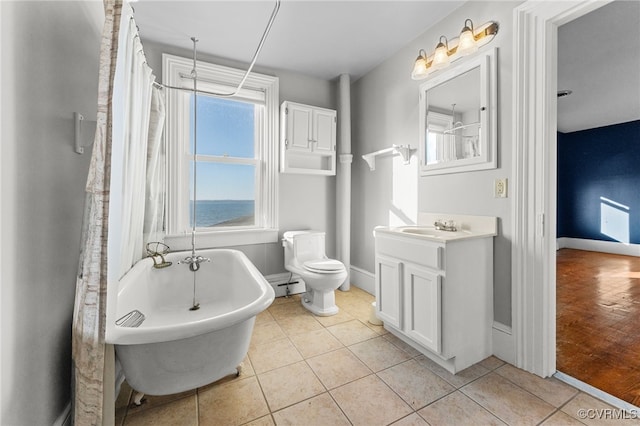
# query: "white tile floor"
341 370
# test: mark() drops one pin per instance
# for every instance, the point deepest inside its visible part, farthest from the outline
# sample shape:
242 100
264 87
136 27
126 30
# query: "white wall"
306 202
49 70
385 111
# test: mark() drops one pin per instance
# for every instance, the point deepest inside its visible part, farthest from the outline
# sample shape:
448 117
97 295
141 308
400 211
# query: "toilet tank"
307 245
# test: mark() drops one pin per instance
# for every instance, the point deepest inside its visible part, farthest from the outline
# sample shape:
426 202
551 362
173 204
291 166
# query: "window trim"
173 68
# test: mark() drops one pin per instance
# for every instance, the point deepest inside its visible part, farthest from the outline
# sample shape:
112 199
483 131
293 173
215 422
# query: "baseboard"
597 245
364 280
280 281
64 419
503 343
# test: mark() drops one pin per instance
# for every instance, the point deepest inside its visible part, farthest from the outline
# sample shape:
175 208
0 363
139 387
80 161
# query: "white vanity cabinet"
436 296
308 136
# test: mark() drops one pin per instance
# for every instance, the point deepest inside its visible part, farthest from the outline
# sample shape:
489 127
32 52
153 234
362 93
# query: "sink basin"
426 230
420 231
432 232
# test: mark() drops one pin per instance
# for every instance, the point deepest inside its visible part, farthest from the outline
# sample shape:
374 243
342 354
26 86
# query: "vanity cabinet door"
389 298
422 301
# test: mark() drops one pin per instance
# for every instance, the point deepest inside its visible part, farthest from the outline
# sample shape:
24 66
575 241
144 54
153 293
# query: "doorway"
534 179
598 293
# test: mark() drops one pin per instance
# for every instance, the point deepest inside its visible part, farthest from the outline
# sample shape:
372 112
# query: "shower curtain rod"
186 89
246 74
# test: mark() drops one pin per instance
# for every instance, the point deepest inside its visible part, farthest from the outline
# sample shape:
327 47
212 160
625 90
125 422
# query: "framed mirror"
458 118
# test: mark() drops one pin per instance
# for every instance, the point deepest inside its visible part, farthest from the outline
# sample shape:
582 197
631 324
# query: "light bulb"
420 70
441 56
467 43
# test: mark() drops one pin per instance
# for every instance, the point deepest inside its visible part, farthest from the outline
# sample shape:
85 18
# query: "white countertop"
467 226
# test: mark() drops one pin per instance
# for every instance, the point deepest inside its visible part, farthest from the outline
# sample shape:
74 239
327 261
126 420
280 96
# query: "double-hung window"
222 154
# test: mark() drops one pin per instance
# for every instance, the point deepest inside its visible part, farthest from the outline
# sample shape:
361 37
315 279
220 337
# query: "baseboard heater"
286 284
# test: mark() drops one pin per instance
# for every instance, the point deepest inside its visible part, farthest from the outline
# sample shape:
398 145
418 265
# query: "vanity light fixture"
469 41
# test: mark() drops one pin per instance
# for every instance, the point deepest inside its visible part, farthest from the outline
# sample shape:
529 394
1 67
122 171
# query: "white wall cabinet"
437 296
308 142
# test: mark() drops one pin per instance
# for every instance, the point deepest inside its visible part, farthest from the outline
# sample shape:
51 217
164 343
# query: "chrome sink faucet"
447 225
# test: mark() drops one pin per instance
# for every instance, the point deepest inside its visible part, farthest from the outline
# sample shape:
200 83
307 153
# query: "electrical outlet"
500 188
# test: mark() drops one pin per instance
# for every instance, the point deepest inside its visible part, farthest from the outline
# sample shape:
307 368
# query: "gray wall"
385 112
49 70
306 202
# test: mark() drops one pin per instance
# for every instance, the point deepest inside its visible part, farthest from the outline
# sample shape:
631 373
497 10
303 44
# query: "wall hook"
81 143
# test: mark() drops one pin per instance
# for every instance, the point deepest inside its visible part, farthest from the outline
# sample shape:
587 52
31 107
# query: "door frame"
534 178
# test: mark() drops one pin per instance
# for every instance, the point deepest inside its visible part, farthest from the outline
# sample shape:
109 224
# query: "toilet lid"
323 265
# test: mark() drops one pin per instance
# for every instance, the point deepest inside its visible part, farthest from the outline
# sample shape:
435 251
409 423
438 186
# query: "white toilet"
304 255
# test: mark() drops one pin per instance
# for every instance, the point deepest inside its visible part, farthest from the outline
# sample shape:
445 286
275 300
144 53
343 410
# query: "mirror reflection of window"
440 146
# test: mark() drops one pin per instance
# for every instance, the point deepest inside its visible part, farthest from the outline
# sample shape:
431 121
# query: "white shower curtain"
137 80
154 206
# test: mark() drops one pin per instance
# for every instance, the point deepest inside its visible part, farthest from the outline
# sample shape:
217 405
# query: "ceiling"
598 54
599 60
316 38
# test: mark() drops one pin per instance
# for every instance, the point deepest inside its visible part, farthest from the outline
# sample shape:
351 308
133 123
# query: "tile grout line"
567 403
555 409
266 401
454 390
326 389
531 393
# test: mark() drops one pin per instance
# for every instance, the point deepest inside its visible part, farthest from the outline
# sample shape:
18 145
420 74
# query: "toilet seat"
323 266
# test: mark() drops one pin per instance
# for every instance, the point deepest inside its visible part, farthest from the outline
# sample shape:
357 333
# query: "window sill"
218 239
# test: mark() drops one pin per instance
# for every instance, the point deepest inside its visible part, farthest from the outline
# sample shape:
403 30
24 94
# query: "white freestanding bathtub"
174 348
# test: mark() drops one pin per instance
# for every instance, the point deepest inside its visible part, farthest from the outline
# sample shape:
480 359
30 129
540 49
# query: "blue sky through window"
219 181
224 128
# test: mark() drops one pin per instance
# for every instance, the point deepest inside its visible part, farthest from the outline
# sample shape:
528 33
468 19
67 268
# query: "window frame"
258 88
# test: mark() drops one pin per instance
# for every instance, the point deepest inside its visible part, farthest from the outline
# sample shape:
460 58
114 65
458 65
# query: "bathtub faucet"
194 261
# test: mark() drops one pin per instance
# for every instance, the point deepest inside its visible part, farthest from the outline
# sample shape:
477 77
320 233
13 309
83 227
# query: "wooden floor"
598 321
